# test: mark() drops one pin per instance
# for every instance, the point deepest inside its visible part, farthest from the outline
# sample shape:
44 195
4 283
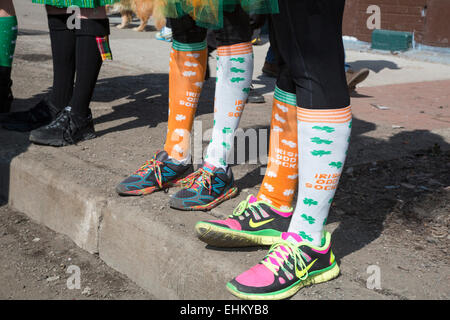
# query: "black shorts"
307 40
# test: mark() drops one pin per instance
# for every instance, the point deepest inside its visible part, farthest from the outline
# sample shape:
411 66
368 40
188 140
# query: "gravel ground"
37 263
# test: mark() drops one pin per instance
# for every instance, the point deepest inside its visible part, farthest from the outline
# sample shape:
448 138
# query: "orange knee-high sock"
186 76
280 181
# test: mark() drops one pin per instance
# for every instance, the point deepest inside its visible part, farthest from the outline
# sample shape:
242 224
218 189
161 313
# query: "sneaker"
290 265
355 77
38 116
204 189
165 34
255 97
252 223
65 130
158 173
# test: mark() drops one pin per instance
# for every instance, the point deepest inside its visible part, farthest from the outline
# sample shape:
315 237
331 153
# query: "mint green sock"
8 36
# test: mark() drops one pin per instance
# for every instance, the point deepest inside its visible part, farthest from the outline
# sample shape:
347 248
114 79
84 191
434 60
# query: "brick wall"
428 19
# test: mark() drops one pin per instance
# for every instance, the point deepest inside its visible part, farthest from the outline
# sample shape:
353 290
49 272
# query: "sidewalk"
392 205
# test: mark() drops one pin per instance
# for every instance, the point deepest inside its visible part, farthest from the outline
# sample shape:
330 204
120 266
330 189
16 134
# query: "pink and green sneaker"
252 223
290 265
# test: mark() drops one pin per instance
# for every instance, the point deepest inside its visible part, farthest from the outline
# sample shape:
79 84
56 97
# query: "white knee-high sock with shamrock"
323 137
234 77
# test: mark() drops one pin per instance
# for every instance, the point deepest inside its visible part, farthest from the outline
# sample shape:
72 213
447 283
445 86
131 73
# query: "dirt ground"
406 198
34 262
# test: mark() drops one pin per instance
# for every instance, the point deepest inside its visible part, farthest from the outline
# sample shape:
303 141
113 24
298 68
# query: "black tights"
306 37
76 61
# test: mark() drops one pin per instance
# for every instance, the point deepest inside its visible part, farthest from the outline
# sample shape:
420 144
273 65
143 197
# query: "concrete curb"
167 261
155 248
50 199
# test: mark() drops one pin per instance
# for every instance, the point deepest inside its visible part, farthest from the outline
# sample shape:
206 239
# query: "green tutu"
78 3
209 13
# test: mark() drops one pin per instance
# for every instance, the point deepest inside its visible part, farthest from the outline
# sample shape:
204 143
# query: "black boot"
40 115
66 129
6 97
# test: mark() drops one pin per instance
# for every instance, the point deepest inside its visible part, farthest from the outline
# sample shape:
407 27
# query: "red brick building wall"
428 19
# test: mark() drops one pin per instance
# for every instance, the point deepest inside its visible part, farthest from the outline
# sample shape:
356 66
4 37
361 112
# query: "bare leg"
7 8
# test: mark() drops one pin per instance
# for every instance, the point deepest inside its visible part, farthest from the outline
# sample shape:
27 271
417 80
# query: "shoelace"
244 206
64 120
281 256
60 119
201 177
153 165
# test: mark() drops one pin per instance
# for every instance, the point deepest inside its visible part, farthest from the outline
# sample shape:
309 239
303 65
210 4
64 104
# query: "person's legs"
280 181
308 33
234 74
63 44
187 71
188 60
261 219
62 41
323 114
94 28
8 36
85 58
270 67
270 56
233 80
73 51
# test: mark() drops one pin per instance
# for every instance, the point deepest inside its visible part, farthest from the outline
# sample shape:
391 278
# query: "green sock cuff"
10 20
198 46
285 97
8 36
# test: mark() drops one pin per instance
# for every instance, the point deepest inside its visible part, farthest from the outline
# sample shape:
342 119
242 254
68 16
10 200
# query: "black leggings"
307 40
236 29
